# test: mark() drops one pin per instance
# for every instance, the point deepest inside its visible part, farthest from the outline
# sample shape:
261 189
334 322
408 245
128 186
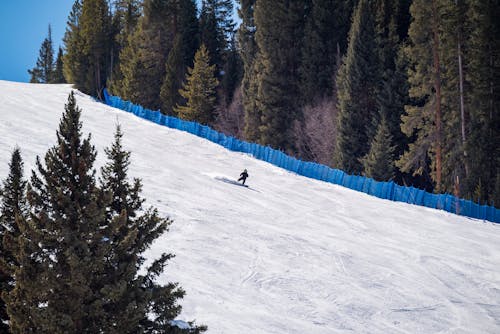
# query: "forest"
392 89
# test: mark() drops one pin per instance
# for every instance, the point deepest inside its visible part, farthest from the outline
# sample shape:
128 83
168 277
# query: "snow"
289 254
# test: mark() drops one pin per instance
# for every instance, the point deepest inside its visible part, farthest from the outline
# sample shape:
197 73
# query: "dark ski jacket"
243 175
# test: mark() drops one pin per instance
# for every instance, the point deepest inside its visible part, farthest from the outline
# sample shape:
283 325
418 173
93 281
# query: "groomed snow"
289 254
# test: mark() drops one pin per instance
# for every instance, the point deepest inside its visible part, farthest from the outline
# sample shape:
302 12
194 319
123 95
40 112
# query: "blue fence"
385 190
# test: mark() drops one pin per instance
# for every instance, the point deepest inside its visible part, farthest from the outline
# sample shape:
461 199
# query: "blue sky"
23 27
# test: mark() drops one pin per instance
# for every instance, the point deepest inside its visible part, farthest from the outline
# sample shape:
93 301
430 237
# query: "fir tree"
199 90
74 61
357 86
379 161
42 72
69 254
278 65
12 209
81 250
173 79
88 43
392 91
482 61
58 75
325 41
248 53
95 23
216 29
142 61
180 56
423 118
126 14
130 231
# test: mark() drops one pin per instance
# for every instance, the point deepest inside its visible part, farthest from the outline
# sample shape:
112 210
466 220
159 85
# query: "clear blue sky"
23 27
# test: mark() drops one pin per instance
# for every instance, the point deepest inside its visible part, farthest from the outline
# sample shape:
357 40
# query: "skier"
243 176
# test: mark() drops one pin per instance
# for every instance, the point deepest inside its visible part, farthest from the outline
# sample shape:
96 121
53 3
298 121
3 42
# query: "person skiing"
243 176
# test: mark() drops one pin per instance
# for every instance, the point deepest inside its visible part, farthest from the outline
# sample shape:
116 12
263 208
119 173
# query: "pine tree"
248 52
199 90
142 61
58 75
423 118
126 14
233 72
379 161
88 41
392 91
483 74
278 64
69 255
95 23
325 41
180 56
169 93
74 60
81 249
216 29
42 72
12 209
357 87
130 231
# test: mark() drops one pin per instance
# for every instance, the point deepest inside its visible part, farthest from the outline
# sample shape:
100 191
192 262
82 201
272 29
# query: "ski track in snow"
295 256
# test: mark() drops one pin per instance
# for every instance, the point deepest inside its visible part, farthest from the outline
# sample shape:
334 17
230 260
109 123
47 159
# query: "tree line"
395 90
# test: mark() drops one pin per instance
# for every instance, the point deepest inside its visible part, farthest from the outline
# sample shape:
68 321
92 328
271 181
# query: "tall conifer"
13 208
58 75
248 52
199 90
278 69
44 68
423 119
482 58
379 161
357 87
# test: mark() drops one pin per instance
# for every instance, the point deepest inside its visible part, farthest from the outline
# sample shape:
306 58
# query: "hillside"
289 254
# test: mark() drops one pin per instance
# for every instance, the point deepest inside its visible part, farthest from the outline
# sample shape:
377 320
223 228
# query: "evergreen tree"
42 72
173 79
131 230
142 61
216 29
74 61
248 52
88 42
423 118
325 41
62 241
233 72
180 56
81 249
278 64
12 209
58 75
126 14
483 75
95 23
379 161
199 90
392 91
357 87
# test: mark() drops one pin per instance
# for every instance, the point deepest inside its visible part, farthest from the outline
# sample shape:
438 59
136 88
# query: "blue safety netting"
386 190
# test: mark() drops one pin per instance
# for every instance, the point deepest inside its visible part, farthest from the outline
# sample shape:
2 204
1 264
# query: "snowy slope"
289 254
